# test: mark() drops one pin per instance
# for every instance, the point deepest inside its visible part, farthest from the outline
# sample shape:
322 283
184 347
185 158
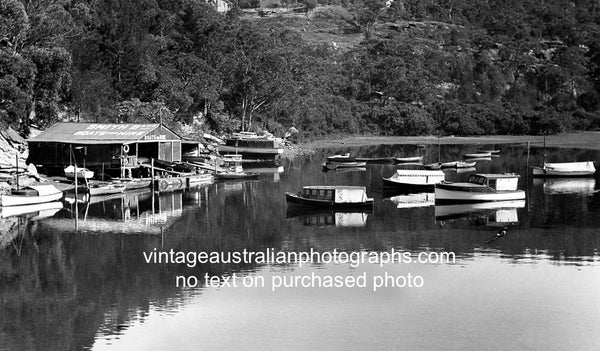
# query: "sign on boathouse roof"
104 133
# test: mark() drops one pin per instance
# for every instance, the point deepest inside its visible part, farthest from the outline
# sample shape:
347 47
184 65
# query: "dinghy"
33 194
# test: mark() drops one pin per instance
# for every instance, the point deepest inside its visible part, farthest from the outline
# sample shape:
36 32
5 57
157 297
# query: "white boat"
82 173
334 196
463 164
478 155
493 151
565 169
408 159
33 194
336 165
342 157
422 180
451 164
479 188
234 169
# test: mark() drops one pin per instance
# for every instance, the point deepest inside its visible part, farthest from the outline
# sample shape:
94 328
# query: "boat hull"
451 194
7 200
409 187
106 190
295 199
250 151
546 173
408 159
235 176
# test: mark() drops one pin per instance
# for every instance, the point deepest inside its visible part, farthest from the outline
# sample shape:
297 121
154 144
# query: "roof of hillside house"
105 133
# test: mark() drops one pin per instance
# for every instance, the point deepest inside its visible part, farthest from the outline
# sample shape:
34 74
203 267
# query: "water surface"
76 279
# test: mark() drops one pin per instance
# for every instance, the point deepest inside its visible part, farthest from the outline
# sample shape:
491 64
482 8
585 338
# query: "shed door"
177 151
165 151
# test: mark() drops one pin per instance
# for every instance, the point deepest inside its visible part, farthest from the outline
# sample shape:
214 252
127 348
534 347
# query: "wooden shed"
110 147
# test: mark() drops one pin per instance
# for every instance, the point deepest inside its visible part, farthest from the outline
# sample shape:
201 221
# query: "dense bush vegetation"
462 67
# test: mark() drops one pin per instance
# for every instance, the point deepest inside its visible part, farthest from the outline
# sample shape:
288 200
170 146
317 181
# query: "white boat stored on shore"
33 194
82 173
565 169
422 180
479 188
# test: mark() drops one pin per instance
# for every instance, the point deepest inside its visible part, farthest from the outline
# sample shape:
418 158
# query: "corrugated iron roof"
95 133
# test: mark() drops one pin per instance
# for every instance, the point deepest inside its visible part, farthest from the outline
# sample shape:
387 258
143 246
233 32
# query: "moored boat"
341 158
565 169
252 145
479 188
435 165
478 155
491 151
451 164
463 164
82 173
335 196
33 194
234 169
408 159
337 165
96 189
419 180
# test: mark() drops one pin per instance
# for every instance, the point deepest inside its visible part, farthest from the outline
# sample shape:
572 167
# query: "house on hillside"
221 6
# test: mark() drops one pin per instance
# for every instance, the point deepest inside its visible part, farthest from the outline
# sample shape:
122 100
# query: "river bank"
582 140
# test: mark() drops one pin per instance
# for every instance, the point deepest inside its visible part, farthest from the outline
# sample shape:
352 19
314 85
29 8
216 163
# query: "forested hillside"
404 67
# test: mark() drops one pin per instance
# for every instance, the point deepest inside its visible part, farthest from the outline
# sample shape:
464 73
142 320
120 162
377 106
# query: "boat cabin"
499 182
337 194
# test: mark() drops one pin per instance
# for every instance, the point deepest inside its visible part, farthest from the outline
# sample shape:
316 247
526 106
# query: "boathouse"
114 148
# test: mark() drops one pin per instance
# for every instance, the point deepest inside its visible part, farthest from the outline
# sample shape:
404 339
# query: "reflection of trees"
64 287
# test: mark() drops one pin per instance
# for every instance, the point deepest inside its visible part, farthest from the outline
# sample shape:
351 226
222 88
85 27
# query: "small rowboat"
331 196
33 194
82 173
340 158
337 165
479 188
489 151
436 165
566 169
478 155
463 164
408 159
451 164
417 180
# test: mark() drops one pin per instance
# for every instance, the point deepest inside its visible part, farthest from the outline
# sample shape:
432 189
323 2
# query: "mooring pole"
17 163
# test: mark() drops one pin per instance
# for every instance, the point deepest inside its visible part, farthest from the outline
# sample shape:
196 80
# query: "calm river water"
76 278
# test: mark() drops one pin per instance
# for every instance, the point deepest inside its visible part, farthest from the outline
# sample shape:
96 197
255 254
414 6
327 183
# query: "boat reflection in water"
412 200
583 186
498 213
34 211
141 212
328 218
